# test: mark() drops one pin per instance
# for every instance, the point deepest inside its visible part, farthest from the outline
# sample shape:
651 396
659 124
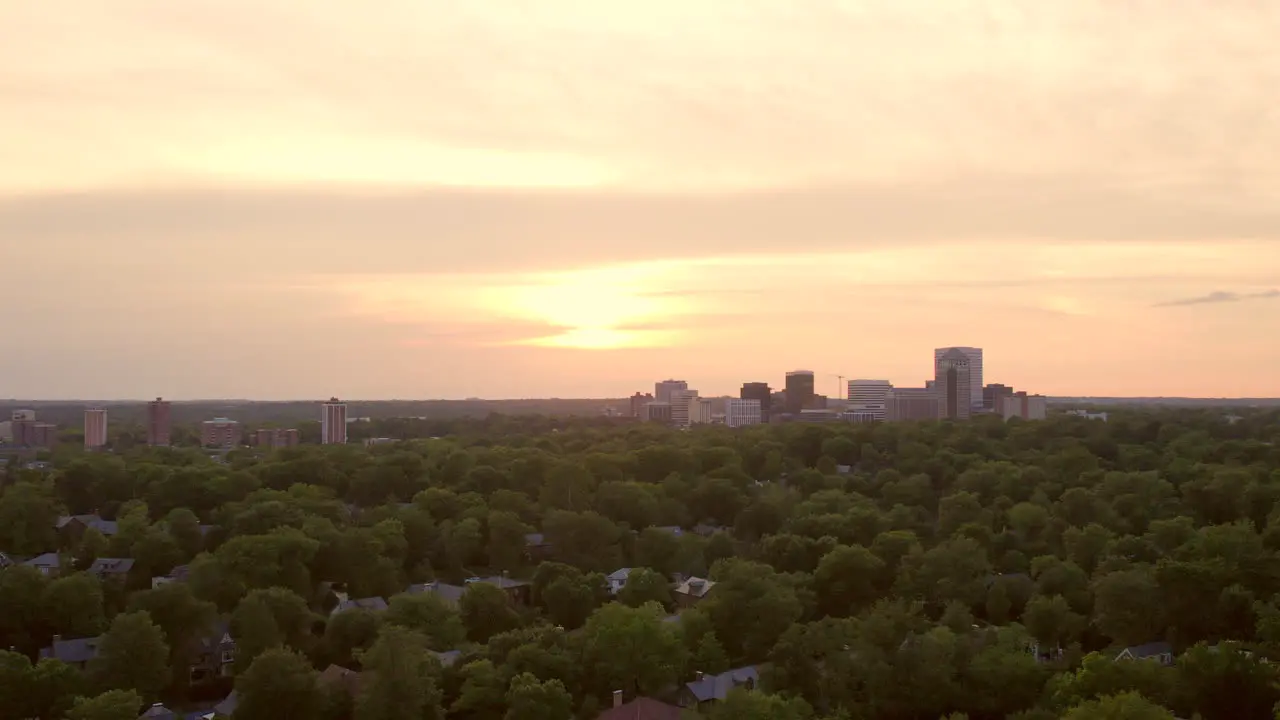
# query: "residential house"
691 591
706 530
77 652
214 654
642 708
517 590
48 564
72 527
105 568
6 561
160 712
673 529
1161 652
708 689
336 676
618 580
177 574
536 547
372 604
224 709
448 658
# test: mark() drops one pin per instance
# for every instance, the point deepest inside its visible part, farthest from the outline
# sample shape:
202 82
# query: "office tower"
911 404
740 412
952 380
23 427
867 399
663 391
220 433
700 411
991 395
658 412
275 438
975 371
43 435
95 428
158 422
333 423
1022 405
761 393
638 401
682 403
800 391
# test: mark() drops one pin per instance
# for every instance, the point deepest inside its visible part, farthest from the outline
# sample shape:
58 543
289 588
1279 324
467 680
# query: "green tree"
710 657
483 694
183 618
631 649
74 606
1126 706
132 655
741 704
279 685
267 618
28 516
348 633
530 699
486 611
1128 606
571 599
111 705
428 614
848 579
750 607
645 586
399 680
506 540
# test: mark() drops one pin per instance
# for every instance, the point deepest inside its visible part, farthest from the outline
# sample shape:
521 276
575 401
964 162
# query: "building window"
228 656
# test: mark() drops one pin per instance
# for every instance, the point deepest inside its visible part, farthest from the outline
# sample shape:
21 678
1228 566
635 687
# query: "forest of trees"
979 570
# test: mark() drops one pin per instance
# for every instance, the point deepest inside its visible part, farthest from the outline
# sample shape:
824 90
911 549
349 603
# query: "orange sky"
287 199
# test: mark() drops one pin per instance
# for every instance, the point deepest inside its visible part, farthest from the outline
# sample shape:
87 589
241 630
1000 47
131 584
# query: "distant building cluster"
955 392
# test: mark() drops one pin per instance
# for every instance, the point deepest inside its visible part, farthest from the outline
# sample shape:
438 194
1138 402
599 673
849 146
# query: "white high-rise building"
95 428
683 407
974 356
740 413
333 423
700 411
665 390
868 398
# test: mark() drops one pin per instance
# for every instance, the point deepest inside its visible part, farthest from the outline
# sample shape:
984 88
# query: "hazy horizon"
561 199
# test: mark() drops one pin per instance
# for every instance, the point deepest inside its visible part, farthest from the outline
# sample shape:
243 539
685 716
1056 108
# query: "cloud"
1221 296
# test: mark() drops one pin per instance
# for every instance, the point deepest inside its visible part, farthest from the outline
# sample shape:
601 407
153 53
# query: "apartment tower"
974 356
867 399
158 422
761 393
220 433
953 383
333 423
95 428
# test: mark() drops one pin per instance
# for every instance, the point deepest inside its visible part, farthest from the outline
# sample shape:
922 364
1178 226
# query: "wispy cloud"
1221 296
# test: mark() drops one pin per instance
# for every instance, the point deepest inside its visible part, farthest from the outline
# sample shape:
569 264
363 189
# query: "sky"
288 199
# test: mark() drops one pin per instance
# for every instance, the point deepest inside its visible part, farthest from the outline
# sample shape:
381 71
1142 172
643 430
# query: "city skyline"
593 191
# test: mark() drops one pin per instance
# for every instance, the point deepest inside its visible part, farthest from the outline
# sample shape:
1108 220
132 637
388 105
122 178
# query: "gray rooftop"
79 650
717 687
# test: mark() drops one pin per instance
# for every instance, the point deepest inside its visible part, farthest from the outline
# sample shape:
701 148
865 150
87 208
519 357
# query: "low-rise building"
220 433
692 591
739 412
77 652
706 690
1021 405
911 404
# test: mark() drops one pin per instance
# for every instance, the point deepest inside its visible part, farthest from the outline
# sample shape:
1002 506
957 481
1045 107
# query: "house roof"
1150 649
671 618
620 574
448 657
106 527
535 539
704 529
78 650
6 560
642 708
717 687
505 583
370 603
695 587
348 680
111 566
227 706
673 529
46 560
448 593
158 712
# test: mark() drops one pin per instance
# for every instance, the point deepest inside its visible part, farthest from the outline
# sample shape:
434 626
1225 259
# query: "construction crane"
843 391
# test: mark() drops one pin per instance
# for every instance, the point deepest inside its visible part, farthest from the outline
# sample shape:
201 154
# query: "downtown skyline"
245 200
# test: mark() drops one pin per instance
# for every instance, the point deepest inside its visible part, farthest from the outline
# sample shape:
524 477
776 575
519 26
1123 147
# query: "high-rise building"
867 399
44 435
952 382
740 412
911 404
1022 405
991 395
700 411
158 422
22 426
800 391
664 390
220 433
95 428
683 408
658 412
275 437
761 393
333 423
638 401
975 371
